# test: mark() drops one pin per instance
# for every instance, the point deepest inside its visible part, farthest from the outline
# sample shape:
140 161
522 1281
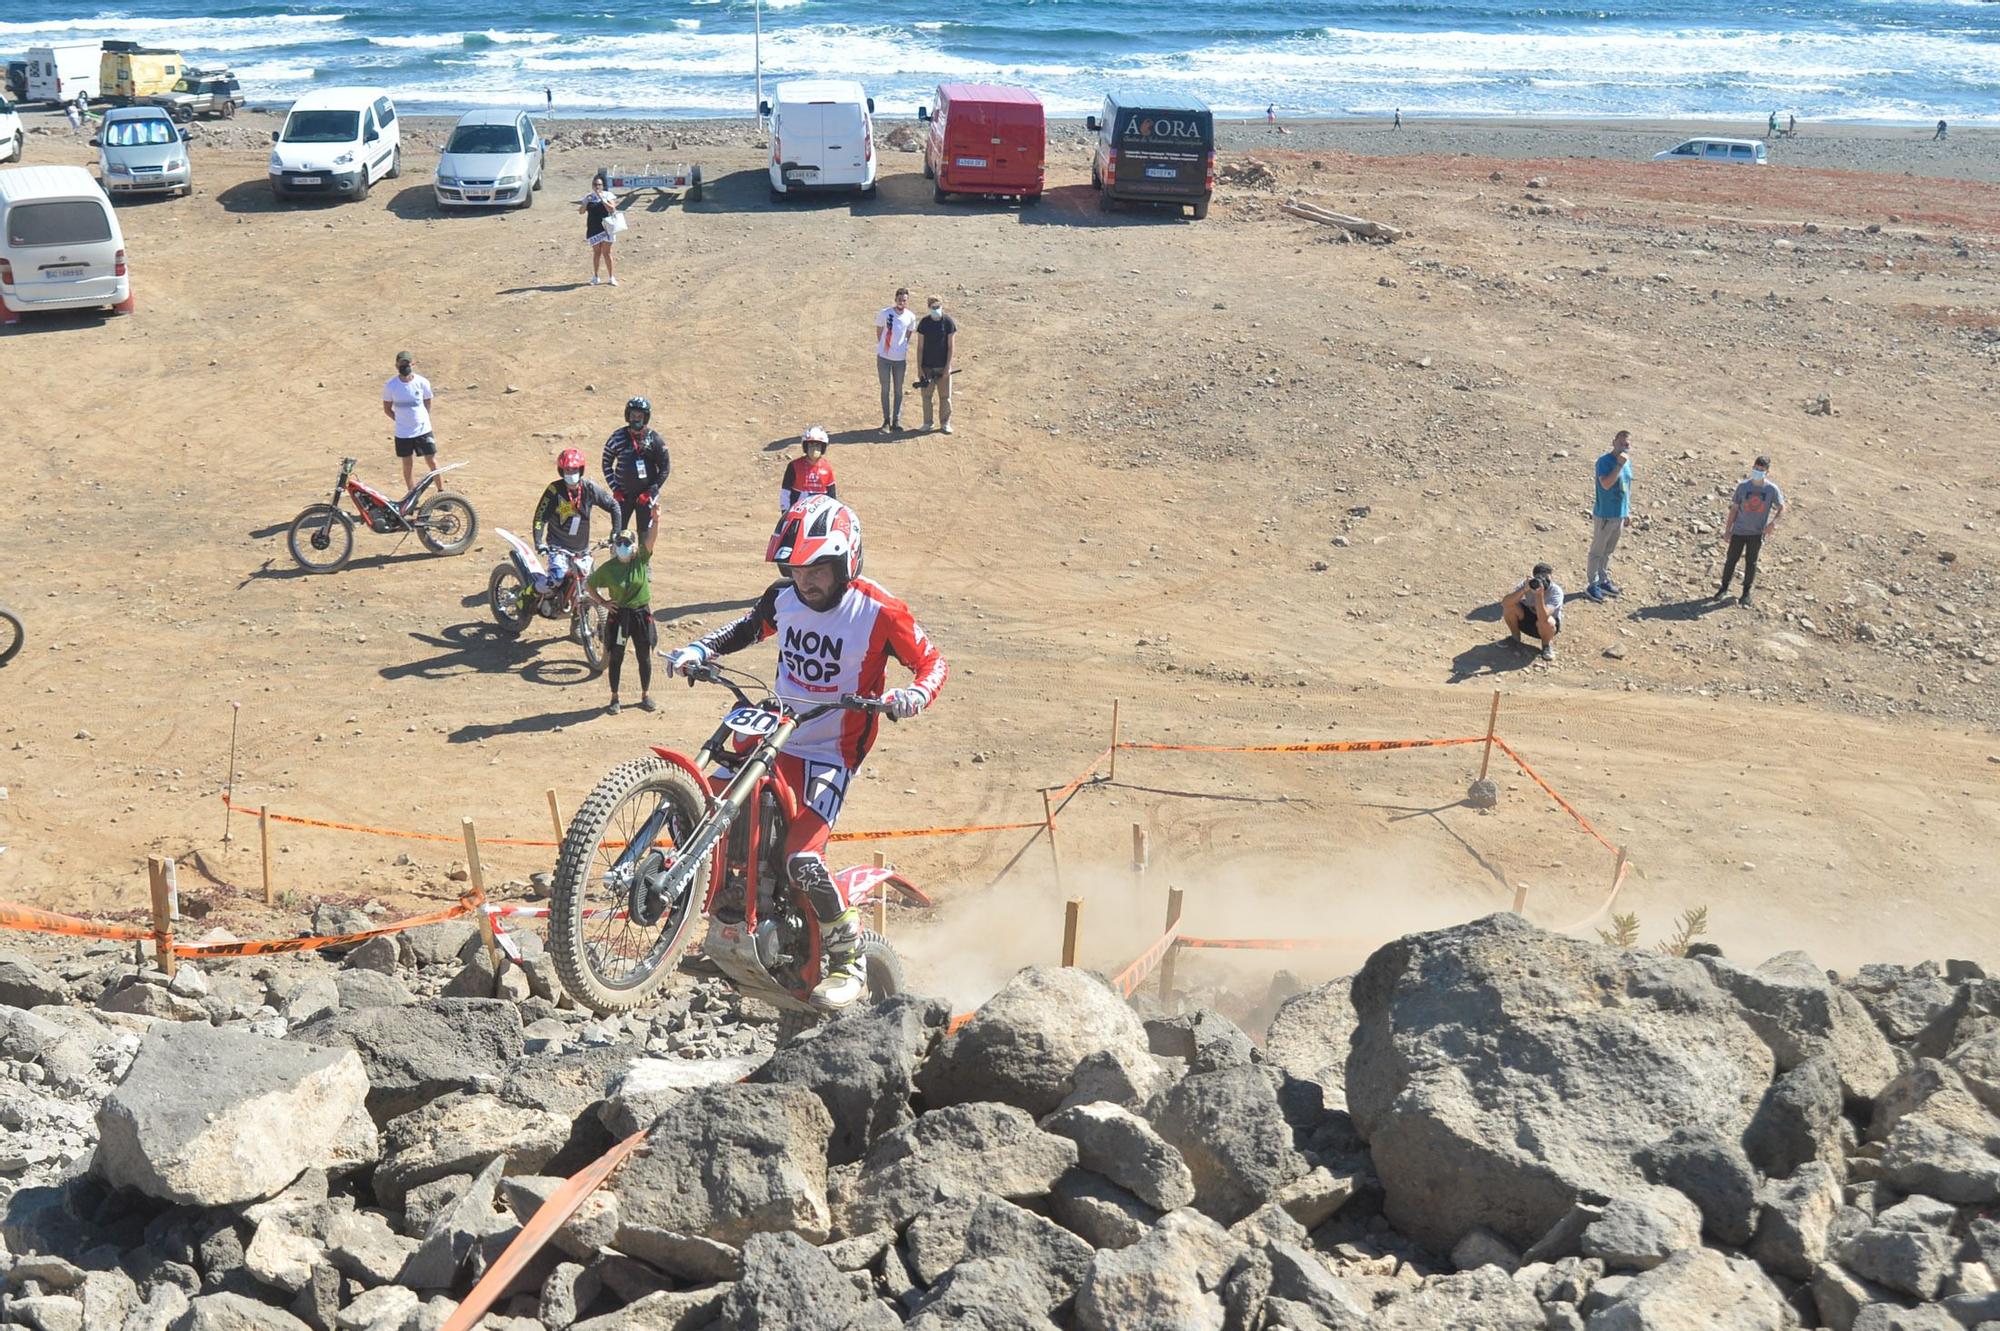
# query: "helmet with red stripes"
818 529
569 460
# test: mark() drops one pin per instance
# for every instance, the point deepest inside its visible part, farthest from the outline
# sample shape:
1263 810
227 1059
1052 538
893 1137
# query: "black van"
1159 149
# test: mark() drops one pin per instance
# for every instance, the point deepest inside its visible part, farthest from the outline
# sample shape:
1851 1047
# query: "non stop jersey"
824 654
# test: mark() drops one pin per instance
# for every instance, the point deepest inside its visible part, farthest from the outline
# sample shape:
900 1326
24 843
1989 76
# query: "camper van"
822 137
60 244
1156 148
985 139
56 74
336 141
128 71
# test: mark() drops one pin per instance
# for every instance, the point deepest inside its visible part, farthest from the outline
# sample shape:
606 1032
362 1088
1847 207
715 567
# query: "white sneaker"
614 281
593 281
947 427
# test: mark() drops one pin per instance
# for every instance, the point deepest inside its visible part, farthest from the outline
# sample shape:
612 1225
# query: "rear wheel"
590 636
505 598
12 635
321 539
1200 209
1030 200
229 110
609 960
447 524
928 173
937 194
1096 181
1107 203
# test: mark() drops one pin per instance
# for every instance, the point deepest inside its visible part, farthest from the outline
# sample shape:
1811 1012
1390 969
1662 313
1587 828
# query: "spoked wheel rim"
503 595
627 927
447 521
321 539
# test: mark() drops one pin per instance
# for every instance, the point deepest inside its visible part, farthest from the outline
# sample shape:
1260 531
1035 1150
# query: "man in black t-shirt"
937 336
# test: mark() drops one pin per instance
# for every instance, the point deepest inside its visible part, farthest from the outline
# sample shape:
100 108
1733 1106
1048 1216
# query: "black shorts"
630 622
1527 621
420 446
642 513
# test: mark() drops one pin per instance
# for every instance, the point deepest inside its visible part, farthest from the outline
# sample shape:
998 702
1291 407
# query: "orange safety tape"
1268 944
31 920
468 903
1567 807
1089 773
1325 746
892 834
1127 981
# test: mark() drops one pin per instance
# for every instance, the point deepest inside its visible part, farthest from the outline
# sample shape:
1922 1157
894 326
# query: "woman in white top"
598 207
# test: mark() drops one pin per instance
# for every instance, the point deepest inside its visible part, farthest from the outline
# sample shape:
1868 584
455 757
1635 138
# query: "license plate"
1162 173
64 273
972 161
306 180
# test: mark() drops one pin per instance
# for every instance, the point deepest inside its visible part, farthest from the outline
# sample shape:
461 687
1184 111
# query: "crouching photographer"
1535 607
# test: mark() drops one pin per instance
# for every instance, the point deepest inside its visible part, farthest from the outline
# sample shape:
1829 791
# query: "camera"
1534 584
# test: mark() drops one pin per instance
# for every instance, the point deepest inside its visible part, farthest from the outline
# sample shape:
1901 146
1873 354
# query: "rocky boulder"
1171 1280
1023 1045
650 1087
729 1162
417 1053
1790 1003
1123 1147
1699 1290
863 1067
958 1151
1499 1072
458 1134
1308 1037
1228 1127
215 1116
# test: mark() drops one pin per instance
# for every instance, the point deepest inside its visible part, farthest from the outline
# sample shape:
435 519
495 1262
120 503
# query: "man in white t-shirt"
1535 606
406 400
892 356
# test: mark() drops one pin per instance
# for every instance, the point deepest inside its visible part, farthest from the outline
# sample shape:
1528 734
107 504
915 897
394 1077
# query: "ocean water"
1856 60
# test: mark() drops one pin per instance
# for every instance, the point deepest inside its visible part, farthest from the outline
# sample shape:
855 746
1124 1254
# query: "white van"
58 73
61 247
337 141
1744 152
822 137
13 139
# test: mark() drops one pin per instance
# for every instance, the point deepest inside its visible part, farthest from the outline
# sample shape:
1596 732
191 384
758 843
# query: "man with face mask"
937 339
562 520
406 400
836 631
1754 511
635 466
624 585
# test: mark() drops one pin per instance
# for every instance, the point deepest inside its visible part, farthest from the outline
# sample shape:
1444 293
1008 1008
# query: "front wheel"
321 539
590 635
613 934
507 597
12 635
447 524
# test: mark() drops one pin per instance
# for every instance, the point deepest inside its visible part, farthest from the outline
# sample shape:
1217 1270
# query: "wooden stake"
1167 962
1114 739
475 877
881 899
1521 899
1617 872
163 915
1072 930
264 841
1492 722
555 813
1049 826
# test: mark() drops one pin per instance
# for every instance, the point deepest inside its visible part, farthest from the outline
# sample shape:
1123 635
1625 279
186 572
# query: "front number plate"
306 180
752 721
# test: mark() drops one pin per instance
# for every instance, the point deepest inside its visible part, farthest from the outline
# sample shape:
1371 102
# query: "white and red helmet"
818 529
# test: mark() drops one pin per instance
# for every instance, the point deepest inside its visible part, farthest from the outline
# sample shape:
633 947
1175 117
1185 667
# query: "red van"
985 139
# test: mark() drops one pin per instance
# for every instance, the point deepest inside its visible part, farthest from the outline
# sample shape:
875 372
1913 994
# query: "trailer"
683 179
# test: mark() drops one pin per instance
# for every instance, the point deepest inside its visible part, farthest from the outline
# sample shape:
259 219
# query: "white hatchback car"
1743 152
13 139
492 158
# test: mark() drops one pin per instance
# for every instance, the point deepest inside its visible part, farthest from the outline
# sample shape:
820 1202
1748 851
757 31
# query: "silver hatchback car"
493 159
140 150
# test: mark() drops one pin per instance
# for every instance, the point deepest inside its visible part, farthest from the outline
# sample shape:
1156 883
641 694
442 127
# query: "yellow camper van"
128 71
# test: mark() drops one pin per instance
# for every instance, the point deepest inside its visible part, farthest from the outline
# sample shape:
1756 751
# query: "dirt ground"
1261 485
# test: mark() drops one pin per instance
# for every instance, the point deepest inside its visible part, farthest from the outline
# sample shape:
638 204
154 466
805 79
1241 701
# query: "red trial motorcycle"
654 846
322 537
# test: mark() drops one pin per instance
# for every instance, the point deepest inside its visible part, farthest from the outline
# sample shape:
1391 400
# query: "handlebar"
711 673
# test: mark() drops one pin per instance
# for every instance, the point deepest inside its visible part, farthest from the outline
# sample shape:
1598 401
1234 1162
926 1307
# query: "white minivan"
1744 152
336 141
61 247
57 74
822 137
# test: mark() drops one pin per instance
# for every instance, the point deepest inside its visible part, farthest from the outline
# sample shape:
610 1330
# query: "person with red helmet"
836 631
561 527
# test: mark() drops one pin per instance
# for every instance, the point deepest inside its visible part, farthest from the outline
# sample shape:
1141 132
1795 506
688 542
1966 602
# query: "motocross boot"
842 979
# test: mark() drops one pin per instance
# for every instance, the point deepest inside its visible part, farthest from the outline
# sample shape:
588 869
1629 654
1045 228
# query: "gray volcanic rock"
1023 1045
729 1162
1499 1072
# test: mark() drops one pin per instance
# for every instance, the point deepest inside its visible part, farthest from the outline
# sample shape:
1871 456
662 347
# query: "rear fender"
863 882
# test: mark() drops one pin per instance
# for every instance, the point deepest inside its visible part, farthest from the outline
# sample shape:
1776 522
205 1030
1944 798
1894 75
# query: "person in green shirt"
623 584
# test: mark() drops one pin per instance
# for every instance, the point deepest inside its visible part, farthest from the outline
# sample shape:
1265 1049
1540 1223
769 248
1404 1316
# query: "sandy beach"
1257 482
